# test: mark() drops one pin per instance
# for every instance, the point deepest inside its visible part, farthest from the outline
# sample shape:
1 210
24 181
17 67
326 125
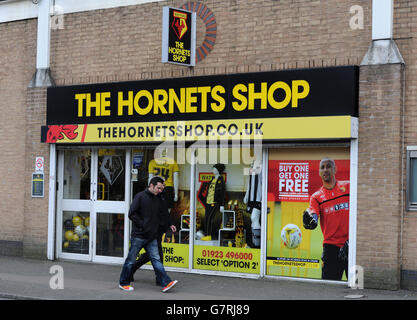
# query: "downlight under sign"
178 36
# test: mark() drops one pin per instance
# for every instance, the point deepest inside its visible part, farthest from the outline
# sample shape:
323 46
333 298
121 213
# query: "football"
80 230
291 236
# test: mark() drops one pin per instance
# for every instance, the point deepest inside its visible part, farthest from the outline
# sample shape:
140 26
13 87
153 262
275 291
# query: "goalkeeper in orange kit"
330 206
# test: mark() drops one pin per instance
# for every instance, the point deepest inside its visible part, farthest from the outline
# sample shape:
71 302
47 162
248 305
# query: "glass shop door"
92 204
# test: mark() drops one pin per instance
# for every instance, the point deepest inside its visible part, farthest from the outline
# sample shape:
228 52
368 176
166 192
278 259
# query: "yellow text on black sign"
179 54
199 99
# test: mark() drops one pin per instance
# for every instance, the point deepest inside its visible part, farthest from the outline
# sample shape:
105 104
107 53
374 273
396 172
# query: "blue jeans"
151 247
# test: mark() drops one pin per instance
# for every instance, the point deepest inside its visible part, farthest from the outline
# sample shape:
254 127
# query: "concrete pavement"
22 278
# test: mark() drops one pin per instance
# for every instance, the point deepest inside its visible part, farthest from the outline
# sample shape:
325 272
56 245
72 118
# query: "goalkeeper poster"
294 176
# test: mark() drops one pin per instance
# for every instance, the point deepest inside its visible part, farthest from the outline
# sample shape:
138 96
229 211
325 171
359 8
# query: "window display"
168 169
211 195
307 212
253 200
76 232
308 224
227 230
147 163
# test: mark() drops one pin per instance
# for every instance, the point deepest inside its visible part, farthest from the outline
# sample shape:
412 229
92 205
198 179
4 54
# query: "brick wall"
35 220
23 219
125 43
405 17
379 175
16 66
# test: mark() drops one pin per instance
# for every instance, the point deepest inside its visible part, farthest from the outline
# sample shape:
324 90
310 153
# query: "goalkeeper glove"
310 220
344 251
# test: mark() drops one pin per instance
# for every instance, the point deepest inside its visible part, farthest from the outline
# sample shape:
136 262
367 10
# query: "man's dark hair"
155 180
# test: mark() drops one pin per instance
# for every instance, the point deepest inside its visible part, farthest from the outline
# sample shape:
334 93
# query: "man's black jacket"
149 215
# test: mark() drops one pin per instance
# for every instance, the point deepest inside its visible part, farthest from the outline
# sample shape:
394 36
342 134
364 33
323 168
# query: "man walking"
164 225
146 210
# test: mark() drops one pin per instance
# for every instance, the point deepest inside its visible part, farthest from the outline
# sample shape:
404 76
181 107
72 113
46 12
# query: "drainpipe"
42 76
383 49
387 52
41 79
382 19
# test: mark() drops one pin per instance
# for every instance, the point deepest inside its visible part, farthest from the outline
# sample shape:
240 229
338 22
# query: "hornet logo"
179 24
56 133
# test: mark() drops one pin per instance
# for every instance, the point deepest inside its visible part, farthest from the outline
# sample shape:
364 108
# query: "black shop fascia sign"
290 94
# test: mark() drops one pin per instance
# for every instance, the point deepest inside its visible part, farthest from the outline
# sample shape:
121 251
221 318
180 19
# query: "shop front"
240 156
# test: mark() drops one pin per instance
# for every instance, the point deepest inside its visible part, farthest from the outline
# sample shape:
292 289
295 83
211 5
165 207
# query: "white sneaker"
169 285
126 288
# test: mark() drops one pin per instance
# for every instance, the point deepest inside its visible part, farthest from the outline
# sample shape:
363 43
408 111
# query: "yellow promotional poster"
230 259
316 181
175 255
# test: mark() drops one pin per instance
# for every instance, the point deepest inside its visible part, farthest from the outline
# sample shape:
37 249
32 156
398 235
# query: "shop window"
147 163
76 232
228 211
412 178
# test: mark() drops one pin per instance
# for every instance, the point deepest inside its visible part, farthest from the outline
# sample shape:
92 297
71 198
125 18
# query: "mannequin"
213 199
253 199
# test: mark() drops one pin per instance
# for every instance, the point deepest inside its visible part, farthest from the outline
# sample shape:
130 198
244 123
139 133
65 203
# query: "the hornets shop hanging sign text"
178 36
